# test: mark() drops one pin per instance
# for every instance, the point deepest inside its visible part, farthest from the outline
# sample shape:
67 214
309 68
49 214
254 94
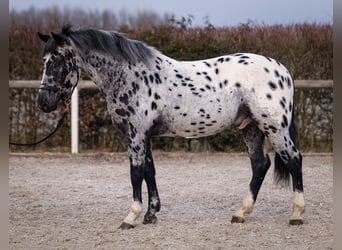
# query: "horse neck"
110 74
103 69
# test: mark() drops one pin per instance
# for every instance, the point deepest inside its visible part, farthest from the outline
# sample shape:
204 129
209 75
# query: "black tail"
281 171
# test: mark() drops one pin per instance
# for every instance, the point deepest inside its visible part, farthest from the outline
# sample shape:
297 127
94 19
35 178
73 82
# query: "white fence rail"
91 85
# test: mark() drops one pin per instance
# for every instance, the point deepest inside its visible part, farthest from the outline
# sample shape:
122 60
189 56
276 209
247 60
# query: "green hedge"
306 49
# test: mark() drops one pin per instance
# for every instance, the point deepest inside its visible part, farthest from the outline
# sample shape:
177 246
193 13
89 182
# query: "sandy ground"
61 201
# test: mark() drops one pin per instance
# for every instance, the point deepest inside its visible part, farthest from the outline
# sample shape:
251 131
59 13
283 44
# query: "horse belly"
202 130
198 119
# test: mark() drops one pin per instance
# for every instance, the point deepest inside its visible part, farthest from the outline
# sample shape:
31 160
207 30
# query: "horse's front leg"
137 153
153 197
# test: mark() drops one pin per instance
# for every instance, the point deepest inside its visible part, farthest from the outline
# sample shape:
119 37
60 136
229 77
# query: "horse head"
60 75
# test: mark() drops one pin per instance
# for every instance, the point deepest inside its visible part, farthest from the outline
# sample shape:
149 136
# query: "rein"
66 110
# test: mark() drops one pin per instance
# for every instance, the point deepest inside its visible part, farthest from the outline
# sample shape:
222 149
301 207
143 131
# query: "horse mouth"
47 102
48 109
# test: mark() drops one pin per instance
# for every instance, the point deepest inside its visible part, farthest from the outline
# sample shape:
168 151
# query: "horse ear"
58 38
42 37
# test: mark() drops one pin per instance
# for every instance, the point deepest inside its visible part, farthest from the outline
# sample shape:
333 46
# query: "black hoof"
296 222
236 219
126 226
152 219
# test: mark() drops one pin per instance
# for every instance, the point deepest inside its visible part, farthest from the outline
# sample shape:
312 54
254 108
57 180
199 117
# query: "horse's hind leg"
295 168
153 197
255 142
288 161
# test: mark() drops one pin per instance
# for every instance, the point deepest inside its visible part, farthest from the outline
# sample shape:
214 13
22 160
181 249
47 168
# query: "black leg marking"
295 168
153 196
255 142
136 180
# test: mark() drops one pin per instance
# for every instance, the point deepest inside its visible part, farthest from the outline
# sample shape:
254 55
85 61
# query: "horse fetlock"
246 208
134 214
136 207
247 204
298 209
155 204
298 204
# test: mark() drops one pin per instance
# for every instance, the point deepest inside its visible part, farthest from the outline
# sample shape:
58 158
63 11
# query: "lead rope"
59 124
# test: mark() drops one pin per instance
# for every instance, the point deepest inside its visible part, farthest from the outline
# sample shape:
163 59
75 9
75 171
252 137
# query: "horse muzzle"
47 100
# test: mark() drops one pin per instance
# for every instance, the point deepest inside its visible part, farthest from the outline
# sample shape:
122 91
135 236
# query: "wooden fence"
91 85
312 84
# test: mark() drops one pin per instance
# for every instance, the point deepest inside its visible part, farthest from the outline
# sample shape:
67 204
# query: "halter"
66 82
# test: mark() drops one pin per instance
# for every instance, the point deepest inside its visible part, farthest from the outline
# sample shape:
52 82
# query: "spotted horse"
149 94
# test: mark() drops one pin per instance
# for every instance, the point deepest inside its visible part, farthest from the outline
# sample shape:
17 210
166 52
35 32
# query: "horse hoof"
236 219
296 222
150 219
126 226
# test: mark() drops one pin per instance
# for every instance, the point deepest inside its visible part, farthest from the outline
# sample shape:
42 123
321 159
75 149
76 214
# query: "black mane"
110 43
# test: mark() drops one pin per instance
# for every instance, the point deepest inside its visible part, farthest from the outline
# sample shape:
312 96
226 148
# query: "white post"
74 122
